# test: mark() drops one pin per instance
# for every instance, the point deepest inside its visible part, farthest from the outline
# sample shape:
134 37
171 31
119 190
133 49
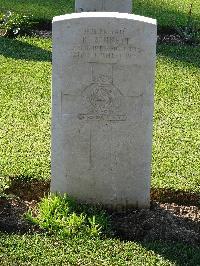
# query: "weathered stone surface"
122 6
102 107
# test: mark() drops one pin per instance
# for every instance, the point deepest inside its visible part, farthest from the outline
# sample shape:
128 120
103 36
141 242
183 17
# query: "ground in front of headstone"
172 216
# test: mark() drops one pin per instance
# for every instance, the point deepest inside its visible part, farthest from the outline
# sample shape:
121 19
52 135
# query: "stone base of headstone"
102 107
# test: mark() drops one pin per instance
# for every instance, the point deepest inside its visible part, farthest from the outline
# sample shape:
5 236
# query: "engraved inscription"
110 117
99 43
103 99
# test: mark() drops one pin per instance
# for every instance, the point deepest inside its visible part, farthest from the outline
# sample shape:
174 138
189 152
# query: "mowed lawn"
25 93
169 13
42 250
25 113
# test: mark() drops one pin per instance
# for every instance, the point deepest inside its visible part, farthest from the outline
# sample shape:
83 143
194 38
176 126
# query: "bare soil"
173 215
163 221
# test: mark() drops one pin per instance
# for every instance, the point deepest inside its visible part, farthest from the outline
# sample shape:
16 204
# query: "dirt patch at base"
22 197
29 191
163 221
11 216
173 215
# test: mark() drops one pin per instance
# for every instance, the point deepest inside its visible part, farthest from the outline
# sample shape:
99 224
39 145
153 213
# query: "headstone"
102 107
122 6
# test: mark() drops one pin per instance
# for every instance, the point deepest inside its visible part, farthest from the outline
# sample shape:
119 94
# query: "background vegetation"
169 13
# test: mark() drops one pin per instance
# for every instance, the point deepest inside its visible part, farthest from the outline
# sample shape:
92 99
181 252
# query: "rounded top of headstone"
88 15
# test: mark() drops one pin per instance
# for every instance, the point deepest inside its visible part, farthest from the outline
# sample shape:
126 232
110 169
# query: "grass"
176 154
169 13
67 218
50 250
25 93
40 9
25 107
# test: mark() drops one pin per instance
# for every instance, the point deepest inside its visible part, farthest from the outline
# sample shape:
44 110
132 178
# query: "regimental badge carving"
103 100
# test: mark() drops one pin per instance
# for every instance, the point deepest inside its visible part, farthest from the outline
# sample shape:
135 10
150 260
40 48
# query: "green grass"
25 107
176 153
25 93
169 13
50 250
67 218
40 9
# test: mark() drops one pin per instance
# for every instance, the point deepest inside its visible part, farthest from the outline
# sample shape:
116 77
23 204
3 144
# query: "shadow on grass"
177 253
171 228
187 54
16 49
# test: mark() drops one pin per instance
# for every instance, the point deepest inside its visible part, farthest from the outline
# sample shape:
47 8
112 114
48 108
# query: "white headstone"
122 6
102 107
